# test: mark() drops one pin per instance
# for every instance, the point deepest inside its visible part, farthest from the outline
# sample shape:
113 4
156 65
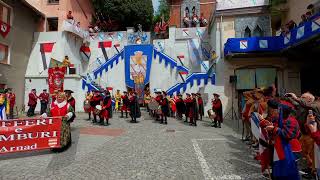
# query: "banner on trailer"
56 79
29 134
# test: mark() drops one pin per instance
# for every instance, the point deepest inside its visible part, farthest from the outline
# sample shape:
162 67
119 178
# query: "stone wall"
264 22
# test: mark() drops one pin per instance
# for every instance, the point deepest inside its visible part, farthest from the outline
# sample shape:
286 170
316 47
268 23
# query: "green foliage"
274 6
277 2
126 13
164 10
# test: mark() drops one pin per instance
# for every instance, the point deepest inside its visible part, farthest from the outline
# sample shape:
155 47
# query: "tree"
124 13
164 10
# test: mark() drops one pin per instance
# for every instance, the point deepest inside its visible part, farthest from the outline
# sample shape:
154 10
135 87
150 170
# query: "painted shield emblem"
58 82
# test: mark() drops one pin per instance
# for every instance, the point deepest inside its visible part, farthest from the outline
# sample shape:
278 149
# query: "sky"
155 5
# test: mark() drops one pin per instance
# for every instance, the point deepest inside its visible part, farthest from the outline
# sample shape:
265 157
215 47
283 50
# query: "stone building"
21 20
57 10
178 10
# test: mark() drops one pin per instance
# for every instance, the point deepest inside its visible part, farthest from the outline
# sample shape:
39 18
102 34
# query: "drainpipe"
221 45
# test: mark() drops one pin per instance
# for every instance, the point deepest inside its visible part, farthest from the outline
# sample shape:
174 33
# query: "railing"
293 38
190 80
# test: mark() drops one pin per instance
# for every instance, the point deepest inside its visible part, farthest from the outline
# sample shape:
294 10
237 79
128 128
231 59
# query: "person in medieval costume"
158 98
11 97
196 108
32 103
286 132
217 108
173 106
200 106
195 19
4 106
134 107
106 107
189 108
70 99
203 21
181 107
125 104
44 100
164 103
118 100
147 99
86 105
95 100
61 108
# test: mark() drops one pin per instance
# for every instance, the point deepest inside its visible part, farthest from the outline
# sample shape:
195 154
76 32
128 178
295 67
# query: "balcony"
301 35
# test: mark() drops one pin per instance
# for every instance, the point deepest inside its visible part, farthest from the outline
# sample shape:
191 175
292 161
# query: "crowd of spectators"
304 18
292 119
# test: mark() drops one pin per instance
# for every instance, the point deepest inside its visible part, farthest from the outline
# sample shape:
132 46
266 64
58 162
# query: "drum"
159 111
86 106
98 109
211 114
153 105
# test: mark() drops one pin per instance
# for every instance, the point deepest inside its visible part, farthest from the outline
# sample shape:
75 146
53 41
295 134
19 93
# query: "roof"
33 8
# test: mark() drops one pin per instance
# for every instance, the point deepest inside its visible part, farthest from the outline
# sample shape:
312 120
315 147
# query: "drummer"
164 103
95 100
125 104
158 98
180 106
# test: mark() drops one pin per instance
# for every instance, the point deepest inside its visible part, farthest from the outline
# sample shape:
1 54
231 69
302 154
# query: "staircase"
105 66
182 87
168 60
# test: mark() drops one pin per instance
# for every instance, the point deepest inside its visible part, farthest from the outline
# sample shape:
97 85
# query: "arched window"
247 32
257 32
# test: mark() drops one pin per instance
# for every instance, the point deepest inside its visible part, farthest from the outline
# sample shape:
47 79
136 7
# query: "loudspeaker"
233 79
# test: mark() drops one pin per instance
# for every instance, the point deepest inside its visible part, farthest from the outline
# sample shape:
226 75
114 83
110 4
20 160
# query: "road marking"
206 170
203 163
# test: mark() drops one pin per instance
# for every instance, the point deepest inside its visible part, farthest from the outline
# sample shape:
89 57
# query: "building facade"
56 12
179 8
16 46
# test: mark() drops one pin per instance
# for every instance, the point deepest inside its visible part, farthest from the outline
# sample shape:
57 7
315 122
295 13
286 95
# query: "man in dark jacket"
134 107
181 107
164 103
200 106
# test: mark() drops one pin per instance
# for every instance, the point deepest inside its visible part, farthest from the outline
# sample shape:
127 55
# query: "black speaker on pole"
233 79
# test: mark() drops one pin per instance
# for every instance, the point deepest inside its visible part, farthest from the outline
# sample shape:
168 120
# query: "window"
5 13
52 24
247 32
4 52
257 32
53 1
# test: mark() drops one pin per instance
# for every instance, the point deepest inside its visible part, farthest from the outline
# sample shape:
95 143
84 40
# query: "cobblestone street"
145 150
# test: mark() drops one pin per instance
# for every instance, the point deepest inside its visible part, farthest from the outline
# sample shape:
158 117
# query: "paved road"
146 150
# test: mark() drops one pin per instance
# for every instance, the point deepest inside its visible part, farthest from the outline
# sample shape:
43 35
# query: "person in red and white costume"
125 104
106 105
32 103
60 107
